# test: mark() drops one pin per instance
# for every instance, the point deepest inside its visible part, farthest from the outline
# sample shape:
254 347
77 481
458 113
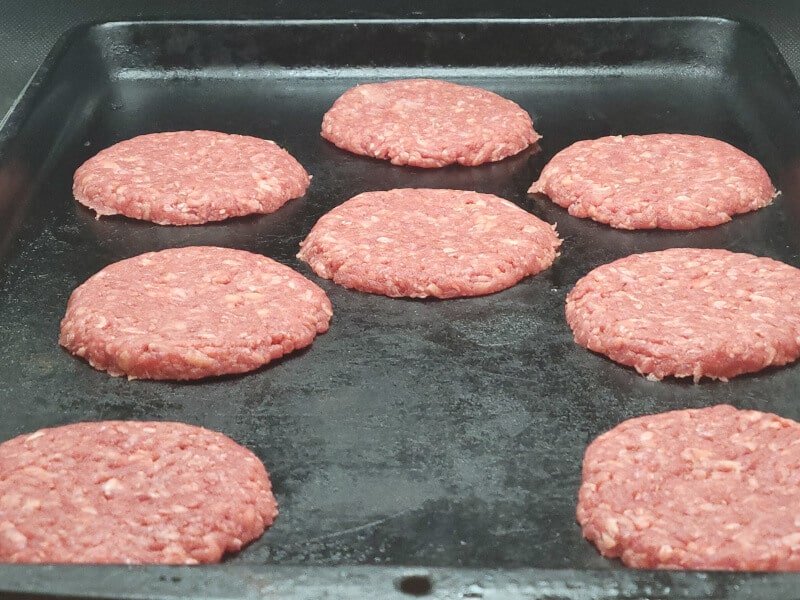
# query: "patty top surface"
429 242
710 488
189 177
428 123
666 181
689 312
129 492
186 313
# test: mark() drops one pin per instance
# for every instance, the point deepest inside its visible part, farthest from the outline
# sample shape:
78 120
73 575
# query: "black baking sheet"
436 439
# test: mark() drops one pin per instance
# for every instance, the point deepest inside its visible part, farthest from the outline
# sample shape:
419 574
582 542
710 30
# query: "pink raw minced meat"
665 181
189 178
129 492
689 312
188 313
712 489
428 123
420 242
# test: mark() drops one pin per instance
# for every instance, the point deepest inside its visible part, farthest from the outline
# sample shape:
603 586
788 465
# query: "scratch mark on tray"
501 532
363 527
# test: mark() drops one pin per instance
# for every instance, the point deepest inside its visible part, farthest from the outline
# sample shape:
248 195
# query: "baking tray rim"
11 121
389 582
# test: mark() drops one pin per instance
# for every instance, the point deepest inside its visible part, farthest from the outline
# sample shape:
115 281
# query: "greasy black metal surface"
28 28
437 434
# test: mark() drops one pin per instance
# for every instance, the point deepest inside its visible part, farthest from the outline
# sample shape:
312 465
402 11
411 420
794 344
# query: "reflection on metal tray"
414 437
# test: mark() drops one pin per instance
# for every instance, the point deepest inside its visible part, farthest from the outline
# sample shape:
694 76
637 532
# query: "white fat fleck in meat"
112 487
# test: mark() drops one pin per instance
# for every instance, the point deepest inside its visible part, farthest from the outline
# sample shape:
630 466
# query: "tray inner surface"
436 433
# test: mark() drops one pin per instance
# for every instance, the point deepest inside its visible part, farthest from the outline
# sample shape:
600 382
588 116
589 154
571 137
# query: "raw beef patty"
129 492
714 488
428 123
189 178
665 181
187 313
689 312
426 242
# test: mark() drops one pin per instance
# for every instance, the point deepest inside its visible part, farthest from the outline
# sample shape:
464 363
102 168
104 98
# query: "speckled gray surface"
435 433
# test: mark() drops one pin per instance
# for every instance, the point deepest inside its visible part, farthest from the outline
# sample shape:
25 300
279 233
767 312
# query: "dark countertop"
28 29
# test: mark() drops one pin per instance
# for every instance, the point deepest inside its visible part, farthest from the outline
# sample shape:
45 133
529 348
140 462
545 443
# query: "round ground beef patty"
129 492
711 488
689 312
665 181
189 178
428 123
429 242
188 313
